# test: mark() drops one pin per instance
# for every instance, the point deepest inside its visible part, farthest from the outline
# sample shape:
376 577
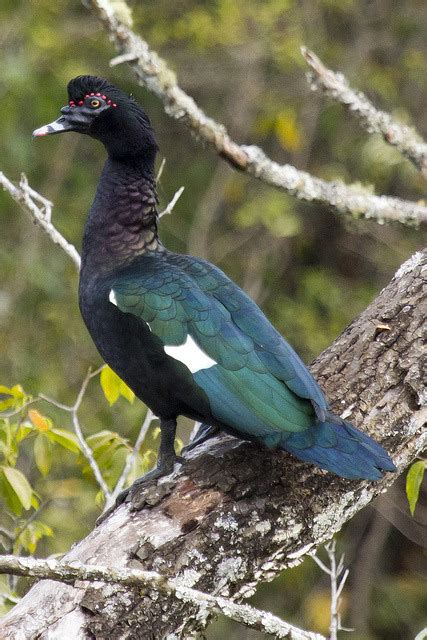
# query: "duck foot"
164 468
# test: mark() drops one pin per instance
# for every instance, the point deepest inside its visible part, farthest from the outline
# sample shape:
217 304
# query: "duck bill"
57 126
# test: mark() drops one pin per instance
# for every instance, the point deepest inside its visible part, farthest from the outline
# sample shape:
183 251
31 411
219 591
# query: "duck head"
102 111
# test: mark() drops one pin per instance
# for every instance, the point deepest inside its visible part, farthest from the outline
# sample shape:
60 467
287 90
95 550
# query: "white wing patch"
191 355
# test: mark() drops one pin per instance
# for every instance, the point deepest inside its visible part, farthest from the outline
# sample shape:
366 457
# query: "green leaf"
9 496
414 479
8 442
114 387
17 397
30 535
24 429
110 383
126 392
43 453
19 485
64 438
101 438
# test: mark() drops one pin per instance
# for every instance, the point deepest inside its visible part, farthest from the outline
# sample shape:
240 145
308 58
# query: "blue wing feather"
259 387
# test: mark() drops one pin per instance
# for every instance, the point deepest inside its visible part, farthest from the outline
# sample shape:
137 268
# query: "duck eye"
95 103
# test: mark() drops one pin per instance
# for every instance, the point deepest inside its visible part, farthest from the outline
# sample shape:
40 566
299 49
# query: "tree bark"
236 515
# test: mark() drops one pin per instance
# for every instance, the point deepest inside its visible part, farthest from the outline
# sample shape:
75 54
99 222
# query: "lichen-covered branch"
29 200
153 73
76 571
335 86
234 514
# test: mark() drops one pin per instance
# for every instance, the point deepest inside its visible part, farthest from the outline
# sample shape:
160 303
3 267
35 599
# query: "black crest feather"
82 85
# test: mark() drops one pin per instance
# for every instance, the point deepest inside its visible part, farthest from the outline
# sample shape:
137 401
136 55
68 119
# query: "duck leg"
165 461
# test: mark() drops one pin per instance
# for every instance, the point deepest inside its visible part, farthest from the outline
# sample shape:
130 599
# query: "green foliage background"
310 270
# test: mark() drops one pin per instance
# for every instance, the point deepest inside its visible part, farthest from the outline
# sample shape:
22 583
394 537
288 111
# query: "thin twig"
90 374
25 196
172 203
153 73
88 453
338 578
149 417
47 204
74 409
71 571
9 414
160 171
404 138
55 403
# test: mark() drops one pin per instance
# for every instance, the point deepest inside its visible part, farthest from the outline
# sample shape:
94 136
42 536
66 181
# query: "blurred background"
311 270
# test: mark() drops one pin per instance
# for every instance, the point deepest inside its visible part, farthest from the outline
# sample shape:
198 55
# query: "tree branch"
27 198
70 572
153 73
219 525
335 86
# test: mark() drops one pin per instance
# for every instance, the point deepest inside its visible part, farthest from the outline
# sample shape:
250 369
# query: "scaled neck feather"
122 222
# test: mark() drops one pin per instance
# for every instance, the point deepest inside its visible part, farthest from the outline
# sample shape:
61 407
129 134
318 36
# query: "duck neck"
122 221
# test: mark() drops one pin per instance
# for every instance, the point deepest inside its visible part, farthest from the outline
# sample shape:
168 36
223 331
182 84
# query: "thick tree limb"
404 138
75 571
234 514
153 73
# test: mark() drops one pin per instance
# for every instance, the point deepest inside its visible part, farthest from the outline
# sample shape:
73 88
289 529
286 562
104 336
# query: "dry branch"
153 73
408 142
27 198
75 571
236 515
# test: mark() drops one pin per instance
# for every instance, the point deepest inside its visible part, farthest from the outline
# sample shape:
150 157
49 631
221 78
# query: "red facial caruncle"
90 95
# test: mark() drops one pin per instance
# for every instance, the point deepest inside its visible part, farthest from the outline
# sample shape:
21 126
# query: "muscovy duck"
184 337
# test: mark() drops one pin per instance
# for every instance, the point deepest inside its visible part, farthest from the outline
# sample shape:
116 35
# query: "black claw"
164 468
165 464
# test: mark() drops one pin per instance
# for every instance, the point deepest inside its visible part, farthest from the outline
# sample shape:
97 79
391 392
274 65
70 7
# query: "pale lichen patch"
230 570
288 533
226 522
409 265
263 527
187 578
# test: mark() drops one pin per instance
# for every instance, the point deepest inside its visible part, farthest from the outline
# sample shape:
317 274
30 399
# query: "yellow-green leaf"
64 438
110 383
114 387
23 431
414 479
43 453
16 399
126 392
30 535
19 484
